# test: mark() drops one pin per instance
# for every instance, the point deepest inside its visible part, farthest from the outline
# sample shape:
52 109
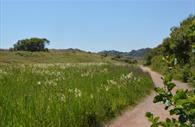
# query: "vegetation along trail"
136 117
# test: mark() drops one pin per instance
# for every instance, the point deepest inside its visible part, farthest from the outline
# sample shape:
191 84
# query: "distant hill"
114 53
70 50
3 49
70 56
132 54
139 52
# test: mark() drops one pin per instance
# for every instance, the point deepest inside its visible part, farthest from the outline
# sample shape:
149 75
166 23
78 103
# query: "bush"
186 73
181 104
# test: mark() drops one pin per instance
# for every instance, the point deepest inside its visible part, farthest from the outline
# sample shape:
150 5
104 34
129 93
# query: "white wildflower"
48 109
130 75
112 82
85 74
126 77
91 96
49 99
139 80
105 70
107 88
39 83
62 98
77 92
3 72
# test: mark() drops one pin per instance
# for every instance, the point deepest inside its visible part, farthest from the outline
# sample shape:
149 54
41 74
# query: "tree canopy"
180 42
32 44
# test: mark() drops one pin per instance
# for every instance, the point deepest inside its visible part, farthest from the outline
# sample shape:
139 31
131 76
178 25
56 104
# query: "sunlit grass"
68 95
50 57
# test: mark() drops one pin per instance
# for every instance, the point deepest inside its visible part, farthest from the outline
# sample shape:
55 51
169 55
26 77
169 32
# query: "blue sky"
92 25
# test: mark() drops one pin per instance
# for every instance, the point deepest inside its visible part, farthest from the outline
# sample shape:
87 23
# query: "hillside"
53 56
139 52
132 54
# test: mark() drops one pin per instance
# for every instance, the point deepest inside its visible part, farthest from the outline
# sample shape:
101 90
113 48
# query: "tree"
179 43
32 44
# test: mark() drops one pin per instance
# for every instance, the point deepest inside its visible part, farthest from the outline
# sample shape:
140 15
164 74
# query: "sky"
92 25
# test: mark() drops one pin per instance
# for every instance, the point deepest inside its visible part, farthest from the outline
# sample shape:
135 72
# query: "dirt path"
136 117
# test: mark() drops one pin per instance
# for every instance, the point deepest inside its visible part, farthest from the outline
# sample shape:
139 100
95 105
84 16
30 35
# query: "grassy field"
53 56
68 95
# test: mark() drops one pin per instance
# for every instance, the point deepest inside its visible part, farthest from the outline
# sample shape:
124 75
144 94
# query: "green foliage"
151 54
124 59
180 104
68 95
180 44
32 44
186 73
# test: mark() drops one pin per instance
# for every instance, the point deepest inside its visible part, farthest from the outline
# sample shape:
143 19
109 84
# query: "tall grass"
63 95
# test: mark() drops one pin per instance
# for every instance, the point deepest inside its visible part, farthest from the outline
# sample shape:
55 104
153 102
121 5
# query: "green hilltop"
52 56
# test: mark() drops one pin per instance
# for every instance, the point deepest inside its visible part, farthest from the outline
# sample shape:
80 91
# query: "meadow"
53 56
68 95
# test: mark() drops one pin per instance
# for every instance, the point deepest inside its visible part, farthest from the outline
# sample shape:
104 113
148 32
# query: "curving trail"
136 117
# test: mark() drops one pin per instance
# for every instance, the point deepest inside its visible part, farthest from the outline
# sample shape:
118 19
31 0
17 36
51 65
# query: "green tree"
179 43
32 44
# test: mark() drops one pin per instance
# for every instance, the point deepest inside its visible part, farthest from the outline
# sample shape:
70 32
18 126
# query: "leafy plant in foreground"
180 104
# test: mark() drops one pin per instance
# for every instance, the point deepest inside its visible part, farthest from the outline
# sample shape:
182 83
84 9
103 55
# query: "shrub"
181 104
186 73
